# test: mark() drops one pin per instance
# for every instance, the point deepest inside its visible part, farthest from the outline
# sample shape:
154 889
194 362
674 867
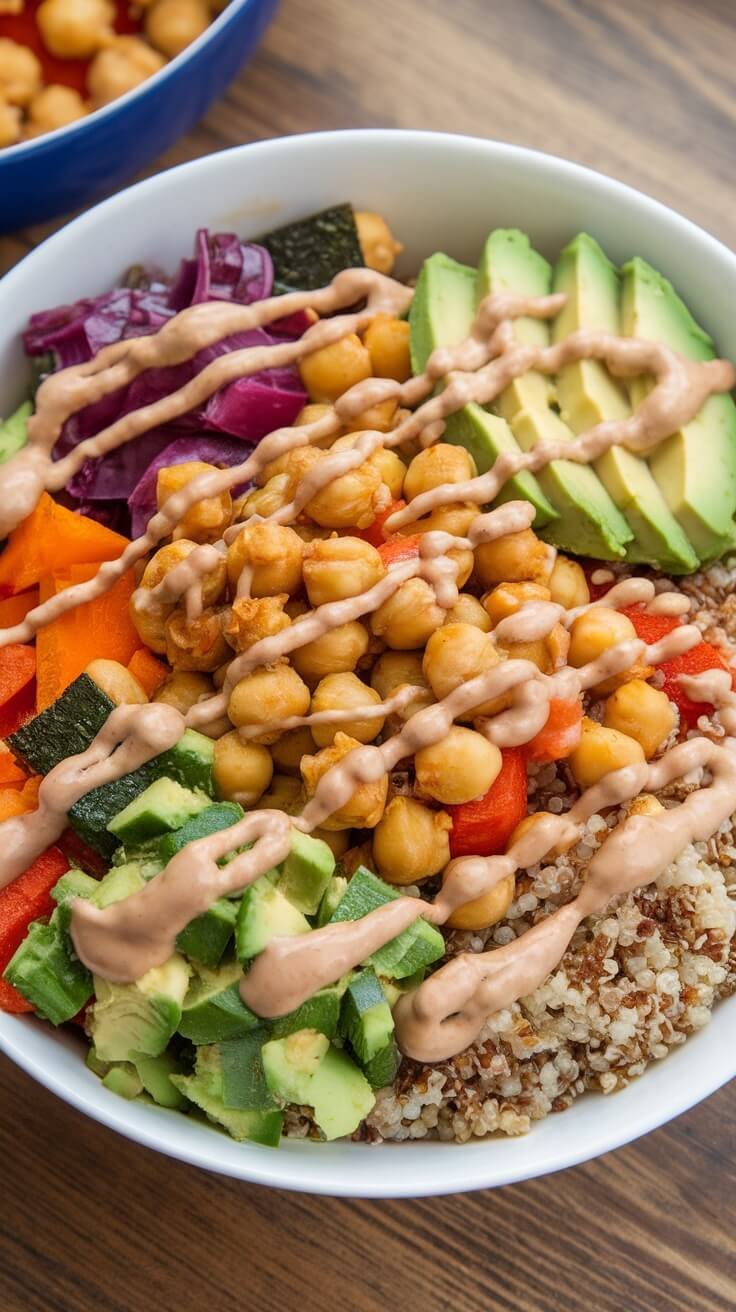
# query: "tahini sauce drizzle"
126 939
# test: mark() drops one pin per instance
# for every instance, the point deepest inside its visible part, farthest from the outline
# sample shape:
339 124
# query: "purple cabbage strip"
222 451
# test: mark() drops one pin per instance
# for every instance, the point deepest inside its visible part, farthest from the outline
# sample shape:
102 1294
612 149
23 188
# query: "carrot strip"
13 610
149 672
397 549
99 628
11 774
50 539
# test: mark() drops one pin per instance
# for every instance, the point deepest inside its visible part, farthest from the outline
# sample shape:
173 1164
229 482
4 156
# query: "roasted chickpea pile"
343 681
85 30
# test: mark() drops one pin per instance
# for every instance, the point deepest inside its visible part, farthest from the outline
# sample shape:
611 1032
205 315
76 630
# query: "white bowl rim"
299 1168
220 21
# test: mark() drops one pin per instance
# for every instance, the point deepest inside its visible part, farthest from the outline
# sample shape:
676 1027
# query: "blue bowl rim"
23 148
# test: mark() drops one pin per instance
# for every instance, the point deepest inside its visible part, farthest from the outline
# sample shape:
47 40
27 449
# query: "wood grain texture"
91 1223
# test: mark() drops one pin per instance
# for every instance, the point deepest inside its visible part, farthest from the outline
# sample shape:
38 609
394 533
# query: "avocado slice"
155 1075
588 395
14 431
589 523
695 468
306 1069
264 913
441 314
164 806
138 1018
366 1021
123 1080
205 1089
305 873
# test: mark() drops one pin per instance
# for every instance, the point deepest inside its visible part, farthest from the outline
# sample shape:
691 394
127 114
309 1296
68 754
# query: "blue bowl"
65 169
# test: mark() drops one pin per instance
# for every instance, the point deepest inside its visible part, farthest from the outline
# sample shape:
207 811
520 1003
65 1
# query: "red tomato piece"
560 735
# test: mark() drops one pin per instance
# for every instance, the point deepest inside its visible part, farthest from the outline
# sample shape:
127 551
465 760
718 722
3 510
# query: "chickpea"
285 794
295 463
209 517
254 618
295 607
11 124
377 242
196 644
120 685
601 750
123 64
593 633
288 750
548 653
184 689
53 108
568 585
379 417
310 414
334 369
507 598
458 769
172 25
266 696
530 822
395 668
437 465
75 29
340 568
392 470
514 558
468 610
350 501
364 808
642 712
264 501
486 910
336 652
21 76
455 654
644 804
241 770
409 617
455 518
149 615
273 553
342 692
411 842
313 533
387 340
338 840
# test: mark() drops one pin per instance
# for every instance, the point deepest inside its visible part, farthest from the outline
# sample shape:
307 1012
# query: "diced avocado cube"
93 1063
306 1069
213 1010
243 1081
14 431
321 1012
155 1075
46 971
118 883
417 946
204 1089
123 1080
74 884
206 937
306 872
163 806
138 1018
366 1019
333 895
264 913
382 1069
211 820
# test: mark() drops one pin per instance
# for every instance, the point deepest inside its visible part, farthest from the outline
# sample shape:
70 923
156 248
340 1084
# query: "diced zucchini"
264 913
333 895
162 807
213 1010
306 872
204 1089
211 820
244 1085
366 1019
45 970
321 1012
206 937
382 1069
417 946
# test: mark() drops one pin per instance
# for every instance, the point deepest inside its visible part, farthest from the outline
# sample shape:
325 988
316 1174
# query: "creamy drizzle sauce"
447 1012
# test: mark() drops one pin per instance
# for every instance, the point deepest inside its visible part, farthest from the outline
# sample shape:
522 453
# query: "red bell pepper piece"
703 657
27 898
12 1001
483 828
82 856
398 549
560 735
650 628
375 532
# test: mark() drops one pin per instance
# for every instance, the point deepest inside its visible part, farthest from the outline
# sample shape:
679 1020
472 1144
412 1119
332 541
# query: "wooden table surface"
90 1223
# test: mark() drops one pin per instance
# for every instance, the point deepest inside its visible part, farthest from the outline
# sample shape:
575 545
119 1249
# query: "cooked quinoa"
634 983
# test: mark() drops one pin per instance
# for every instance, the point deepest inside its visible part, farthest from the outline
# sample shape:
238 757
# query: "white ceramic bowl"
438 192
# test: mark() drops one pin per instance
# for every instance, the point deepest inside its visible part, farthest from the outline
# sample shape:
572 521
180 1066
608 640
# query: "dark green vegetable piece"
64 729
321 1012
243 1082
381 1069
46 972
219 816
307 254
366 1019
206 937
417 946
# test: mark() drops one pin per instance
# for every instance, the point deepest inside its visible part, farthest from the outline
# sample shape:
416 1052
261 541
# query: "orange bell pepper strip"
483 827
11 774
560 735
27 898
13 610
149 672
398 549
50 539
375 533
99 628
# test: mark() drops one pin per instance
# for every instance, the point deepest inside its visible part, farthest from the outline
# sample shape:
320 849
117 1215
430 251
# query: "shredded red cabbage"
221 451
